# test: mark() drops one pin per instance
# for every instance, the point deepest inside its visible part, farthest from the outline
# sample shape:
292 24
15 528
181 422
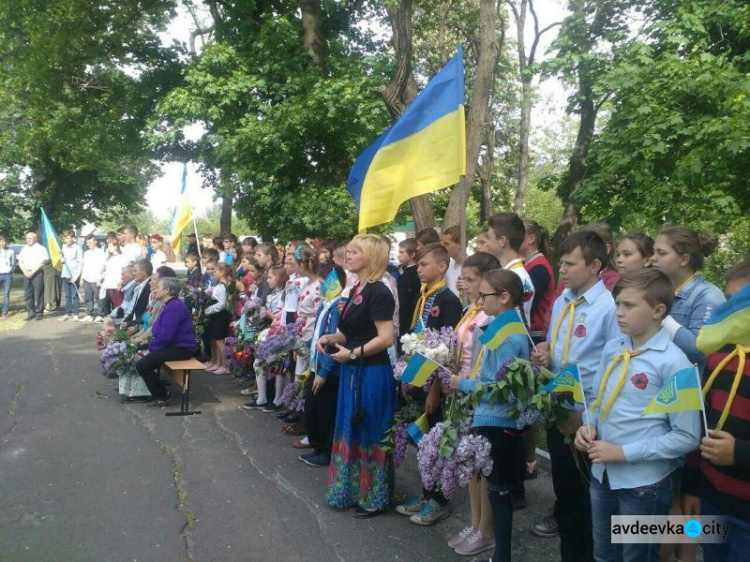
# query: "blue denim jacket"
692 307
494 414
327 322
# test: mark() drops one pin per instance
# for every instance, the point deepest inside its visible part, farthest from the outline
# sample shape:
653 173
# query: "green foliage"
77 80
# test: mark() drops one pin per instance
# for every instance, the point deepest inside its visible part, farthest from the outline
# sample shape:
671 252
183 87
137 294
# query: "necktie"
569 309
741 352
419 310
624 357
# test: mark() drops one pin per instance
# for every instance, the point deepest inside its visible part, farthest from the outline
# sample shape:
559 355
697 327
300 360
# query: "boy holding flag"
583 321
645 417
716 479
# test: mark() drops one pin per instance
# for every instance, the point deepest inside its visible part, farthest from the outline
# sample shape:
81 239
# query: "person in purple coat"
173 339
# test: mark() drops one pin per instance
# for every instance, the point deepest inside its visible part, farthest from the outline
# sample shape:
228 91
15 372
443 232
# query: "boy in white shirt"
130 248
94 263
158 258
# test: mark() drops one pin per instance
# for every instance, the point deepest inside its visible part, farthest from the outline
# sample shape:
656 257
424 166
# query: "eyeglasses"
483 296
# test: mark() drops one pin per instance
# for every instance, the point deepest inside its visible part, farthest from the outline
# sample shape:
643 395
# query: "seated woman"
173 339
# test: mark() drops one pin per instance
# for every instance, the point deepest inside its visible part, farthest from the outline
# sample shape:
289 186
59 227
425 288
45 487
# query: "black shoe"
546 527
29 317
38 317
316 460
361 513
141 399
270 408
253 405
293 417
160 403
284 415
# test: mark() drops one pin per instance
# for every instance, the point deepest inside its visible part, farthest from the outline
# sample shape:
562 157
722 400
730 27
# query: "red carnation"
640 381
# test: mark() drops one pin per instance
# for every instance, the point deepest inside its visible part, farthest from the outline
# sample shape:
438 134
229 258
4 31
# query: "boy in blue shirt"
583 321
635 458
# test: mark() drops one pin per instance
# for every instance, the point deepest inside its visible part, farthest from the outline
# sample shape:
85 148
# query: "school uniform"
653 445
441 308
408 287
593 325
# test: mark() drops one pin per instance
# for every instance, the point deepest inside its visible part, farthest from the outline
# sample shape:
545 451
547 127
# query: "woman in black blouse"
358 474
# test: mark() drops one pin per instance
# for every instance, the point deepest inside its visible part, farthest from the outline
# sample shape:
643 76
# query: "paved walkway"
85 478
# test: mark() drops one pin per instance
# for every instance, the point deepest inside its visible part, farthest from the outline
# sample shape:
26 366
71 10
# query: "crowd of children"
628 313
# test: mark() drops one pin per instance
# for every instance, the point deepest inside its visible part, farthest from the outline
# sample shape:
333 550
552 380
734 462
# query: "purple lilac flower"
400 443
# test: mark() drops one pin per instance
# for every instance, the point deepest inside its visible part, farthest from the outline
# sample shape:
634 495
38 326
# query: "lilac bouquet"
397 438
273 351
438 345
119 358
449 456
293 397
197 299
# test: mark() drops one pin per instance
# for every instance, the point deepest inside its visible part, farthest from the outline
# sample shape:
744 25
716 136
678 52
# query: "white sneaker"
88 319
75 318
65 318
98 320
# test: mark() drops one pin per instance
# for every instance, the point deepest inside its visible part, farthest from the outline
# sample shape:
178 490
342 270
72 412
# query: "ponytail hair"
505 281
686 241
269 250
643 242
307 257
536 230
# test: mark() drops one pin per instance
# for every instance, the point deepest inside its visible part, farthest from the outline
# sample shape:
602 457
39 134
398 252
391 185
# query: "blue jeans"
654 499
736 547
5 279
72 302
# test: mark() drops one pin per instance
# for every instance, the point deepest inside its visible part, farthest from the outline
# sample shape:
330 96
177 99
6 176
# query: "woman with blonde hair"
358 474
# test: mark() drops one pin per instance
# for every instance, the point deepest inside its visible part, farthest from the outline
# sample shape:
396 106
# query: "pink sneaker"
211 367
461 536
221 371
474 544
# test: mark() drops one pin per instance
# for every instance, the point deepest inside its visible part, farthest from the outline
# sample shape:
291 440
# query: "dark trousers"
91 299
34 294
571 473
147 367
320 413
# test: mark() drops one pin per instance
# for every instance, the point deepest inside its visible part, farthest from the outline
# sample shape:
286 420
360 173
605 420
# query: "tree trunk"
577 165
313 42
485 174
478 110
403 89
225 220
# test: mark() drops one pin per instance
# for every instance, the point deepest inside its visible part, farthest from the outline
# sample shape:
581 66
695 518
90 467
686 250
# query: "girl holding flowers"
500 291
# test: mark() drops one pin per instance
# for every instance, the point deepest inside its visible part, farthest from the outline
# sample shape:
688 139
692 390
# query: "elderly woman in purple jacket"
173 339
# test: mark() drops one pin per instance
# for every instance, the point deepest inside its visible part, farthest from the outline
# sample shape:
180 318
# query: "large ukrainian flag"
729 324
182 216
51 241
425 150
681 393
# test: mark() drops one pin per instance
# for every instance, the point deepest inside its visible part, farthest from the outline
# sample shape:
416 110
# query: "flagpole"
585 407
526 329
197 237
703 403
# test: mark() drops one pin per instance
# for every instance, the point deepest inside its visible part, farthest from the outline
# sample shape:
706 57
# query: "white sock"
280 384
261 381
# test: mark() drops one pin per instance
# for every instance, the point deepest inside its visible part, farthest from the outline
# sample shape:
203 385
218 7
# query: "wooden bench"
181 374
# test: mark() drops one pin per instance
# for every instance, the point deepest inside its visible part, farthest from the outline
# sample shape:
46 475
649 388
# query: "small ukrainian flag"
682 393
567 380
331 287
501 328
419 429
419 368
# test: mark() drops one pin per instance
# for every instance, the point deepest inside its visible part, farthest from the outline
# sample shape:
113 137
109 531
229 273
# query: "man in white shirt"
94 264
32 260
130 248
7 264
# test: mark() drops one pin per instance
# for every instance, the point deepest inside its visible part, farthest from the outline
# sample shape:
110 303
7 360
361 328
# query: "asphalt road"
85 478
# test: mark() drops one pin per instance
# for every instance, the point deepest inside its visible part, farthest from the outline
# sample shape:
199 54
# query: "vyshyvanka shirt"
517 267
653 444
582 339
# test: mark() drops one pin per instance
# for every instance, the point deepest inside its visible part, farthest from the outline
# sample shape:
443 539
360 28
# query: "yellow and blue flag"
419 327
419 368
729 324
681 393
182 216
425 150
331 287
567 380
419 429
51 241
501 328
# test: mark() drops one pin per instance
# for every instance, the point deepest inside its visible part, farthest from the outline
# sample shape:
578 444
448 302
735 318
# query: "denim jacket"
327 322
691 309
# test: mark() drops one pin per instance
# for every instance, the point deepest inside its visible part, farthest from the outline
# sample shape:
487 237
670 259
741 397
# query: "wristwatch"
352 355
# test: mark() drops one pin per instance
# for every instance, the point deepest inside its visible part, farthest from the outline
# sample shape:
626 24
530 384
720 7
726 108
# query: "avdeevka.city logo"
693 528
668 394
